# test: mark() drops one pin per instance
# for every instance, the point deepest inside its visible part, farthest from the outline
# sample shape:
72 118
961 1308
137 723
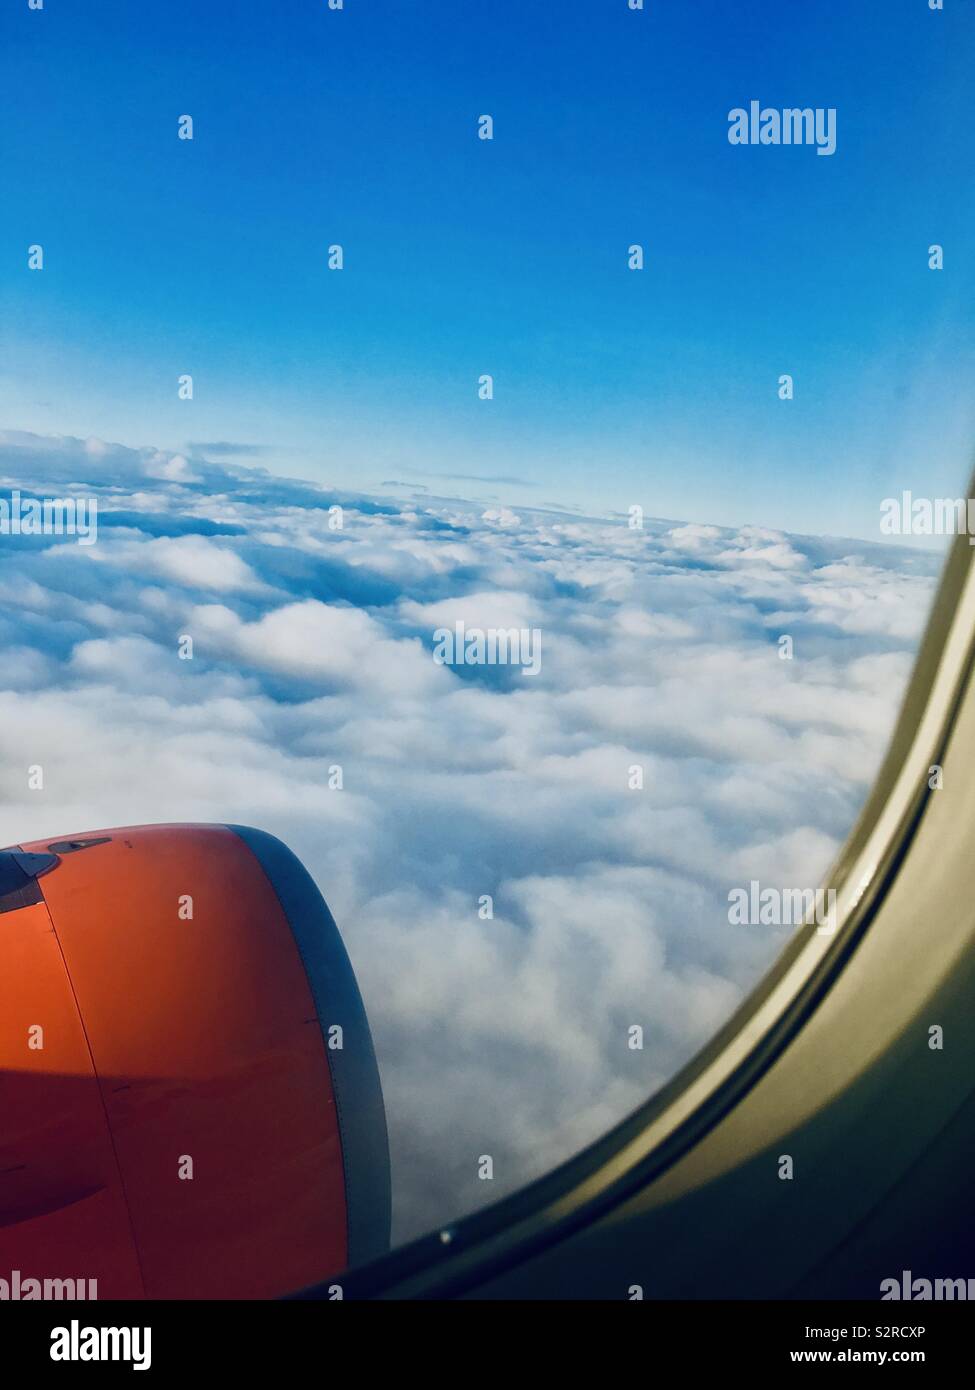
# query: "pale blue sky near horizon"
507 257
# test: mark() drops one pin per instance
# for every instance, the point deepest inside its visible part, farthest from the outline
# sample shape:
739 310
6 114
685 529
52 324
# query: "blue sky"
509 257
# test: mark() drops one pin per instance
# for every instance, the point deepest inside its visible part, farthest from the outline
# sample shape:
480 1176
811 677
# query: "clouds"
194 562
332 647
506 1034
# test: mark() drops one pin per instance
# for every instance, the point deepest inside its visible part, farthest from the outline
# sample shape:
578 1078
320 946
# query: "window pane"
506 455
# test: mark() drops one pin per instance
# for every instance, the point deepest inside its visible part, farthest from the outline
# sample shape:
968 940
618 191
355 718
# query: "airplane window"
486 470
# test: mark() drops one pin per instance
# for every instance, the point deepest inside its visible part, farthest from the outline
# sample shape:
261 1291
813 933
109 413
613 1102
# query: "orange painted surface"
62 1210
206 1047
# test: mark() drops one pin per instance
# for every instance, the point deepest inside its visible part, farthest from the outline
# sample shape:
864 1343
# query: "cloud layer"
505 1036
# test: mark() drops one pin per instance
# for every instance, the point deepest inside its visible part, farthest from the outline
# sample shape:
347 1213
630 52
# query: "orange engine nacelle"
189 1099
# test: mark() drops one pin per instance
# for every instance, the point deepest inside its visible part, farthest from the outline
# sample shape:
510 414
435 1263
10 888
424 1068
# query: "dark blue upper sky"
463 257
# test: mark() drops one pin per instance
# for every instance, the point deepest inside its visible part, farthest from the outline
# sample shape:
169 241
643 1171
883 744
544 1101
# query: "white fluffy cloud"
313 646
193 561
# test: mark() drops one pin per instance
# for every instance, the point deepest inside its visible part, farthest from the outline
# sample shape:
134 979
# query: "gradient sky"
462 256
